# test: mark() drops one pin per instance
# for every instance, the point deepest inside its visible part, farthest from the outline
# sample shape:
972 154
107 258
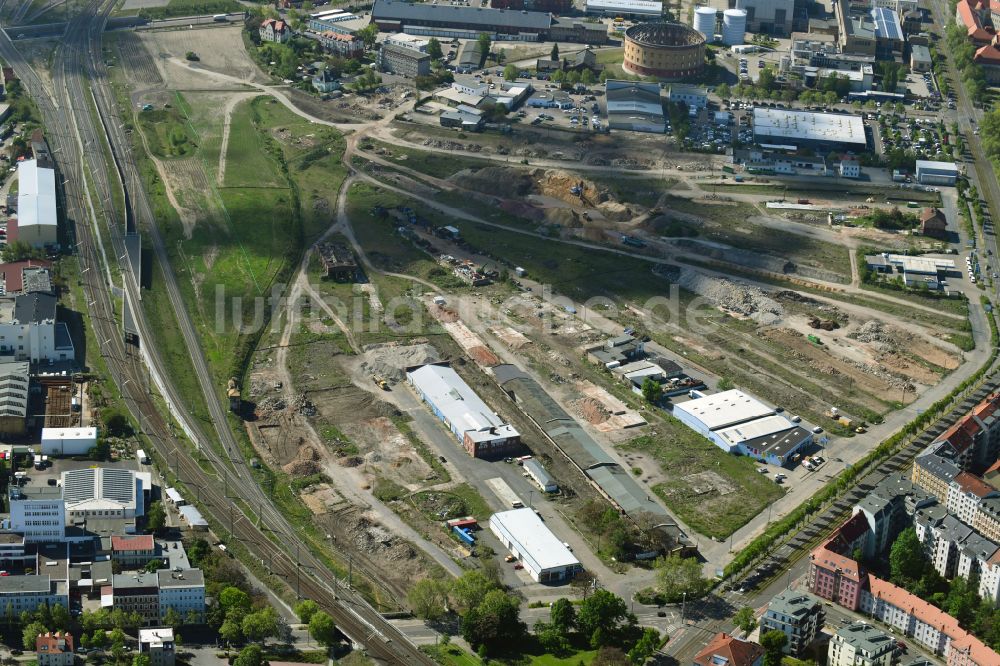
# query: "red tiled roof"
136 542
935 617
960 435
830 559
970 483
339 36
989 55
276 24
13 276
57 643
734 650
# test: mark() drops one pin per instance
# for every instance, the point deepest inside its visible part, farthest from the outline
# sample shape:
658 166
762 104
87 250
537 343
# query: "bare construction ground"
219 50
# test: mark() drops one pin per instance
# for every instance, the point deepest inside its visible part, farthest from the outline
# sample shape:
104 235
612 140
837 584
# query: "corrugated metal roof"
491 19
36 195
625 491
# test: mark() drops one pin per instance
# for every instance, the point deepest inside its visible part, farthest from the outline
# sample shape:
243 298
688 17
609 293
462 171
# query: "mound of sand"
390 360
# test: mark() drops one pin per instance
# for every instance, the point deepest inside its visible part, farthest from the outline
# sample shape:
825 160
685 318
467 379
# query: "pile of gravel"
737 297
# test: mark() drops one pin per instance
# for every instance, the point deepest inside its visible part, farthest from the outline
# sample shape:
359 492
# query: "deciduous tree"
323 629
677 576
428 599
773 643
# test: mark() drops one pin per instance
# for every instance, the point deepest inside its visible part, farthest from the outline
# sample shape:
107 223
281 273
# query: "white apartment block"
38 513
184 591
965 493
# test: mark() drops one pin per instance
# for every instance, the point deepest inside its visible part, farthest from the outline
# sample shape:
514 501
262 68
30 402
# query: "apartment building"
184 591
54 649
798 615
965 493
133 551
861 644
27 593
888 509
158 644
137 593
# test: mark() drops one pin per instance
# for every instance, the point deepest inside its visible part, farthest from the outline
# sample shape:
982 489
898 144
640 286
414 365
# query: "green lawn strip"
729 224
610 56
168 133
439 165
686 460
951 305
249 161
186 8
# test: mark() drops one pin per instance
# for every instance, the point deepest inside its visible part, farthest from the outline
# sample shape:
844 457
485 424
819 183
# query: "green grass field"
248 234
438 165
168 133
713 492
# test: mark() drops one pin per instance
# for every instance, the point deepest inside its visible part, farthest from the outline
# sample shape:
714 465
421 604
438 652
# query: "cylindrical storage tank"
734 26
704 22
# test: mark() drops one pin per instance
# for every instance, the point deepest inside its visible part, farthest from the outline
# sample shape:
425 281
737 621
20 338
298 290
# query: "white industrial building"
192 516
38 513
482 432
625 8
104 492
29 330
537 473
781 127
937 173
68 441
739 423
37 220
409 41
544 556
916 270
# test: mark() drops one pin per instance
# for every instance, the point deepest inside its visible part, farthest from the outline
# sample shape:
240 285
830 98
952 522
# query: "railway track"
79 148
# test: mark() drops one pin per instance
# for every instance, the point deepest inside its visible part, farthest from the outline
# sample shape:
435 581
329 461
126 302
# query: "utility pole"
298 569
350 570
683 605
231 521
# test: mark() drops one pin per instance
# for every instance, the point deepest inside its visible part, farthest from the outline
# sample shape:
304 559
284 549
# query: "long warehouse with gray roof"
585 453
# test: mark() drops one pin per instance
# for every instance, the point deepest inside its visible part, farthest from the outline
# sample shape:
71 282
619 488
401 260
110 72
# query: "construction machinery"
381 383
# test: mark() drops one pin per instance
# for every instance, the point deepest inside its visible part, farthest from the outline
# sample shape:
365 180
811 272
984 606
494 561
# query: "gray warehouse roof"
625 491
491 19
579 446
